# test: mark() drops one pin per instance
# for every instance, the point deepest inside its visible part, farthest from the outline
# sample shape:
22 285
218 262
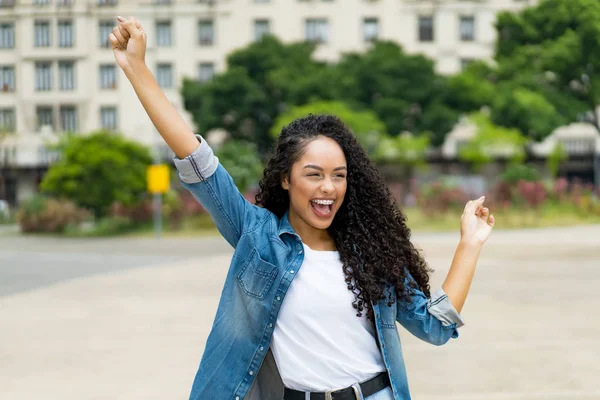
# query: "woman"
323 266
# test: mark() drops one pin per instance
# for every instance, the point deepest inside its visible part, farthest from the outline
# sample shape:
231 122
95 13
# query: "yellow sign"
158 178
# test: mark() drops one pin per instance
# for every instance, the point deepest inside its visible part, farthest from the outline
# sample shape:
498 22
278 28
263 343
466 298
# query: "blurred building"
57 71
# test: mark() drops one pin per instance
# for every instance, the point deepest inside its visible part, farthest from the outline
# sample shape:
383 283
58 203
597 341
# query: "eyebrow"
321 169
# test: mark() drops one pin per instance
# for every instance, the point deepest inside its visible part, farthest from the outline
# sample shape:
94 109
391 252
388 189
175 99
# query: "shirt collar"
285 226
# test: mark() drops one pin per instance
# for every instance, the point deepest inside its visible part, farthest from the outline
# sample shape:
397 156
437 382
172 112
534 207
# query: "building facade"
57 71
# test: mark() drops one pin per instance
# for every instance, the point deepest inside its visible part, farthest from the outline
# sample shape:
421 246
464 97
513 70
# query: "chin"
320 223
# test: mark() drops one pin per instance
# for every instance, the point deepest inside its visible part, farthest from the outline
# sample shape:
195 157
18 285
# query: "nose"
327 186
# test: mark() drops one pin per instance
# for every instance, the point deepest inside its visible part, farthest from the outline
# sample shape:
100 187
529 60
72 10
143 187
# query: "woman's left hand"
476 223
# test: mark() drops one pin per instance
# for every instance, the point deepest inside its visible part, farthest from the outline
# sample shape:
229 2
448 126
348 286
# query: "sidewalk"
129 333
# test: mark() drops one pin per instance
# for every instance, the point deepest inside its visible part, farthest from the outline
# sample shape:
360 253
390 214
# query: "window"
104 30
45 116
162 1
68 118
206 71
317 30
163 34
261 28
43 76
467 29
41 2
108 118
107 2
41 34
206 31
426 33
164 75
65 34
370 29
66 75
7 36
7 78
64 3
7 120
108 76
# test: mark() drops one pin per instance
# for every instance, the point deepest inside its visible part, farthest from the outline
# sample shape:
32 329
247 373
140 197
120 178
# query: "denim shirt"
237 362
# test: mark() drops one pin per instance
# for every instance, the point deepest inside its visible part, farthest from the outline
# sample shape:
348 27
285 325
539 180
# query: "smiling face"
316 186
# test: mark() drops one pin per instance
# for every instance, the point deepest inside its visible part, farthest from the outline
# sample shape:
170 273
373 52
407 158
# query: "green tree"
365 125
552 49
242 162
232 101
260 81
472 88
404 90
96 170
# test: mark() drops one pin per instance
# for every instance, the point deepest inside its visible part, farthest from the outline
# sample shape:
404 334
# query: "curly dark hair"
369 229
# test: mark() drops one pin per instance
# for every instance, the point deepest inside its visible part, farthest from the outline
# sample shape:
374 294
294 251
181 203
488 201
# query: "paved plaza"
127 319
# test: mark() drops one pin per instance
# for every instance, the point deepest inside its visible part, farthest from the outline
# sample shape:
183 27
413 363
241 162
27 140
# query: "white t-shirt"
319 343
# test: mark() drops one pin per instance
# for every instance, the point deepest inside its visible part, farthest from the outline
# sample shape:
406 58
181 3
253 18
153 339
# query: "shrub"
40 214
441 197
517 172
97 170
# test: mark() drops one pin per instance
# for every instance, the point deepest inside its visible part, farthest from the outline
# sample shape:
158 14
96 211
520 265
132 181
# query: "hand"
476 222
128 40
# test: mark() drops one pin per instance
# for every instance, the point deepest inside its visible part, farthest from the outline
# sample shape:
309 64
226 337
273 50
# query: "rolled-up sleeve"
199 165
213 187
433 320
440 307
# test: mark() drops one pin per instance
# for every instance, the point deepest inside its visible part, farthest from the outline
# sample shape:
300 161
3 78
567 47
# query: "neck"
316 239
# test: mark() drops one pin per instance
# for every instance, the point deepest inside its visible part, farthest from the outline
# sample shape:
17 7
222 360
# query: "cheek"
342 189
300 193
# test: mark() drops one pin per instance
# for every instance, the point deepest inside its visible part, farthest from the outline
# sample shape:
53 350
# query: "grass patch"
549 215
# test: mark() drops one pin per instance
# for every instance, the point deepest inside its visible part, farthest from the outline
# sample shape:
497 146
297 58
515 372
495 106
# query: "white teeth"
324 202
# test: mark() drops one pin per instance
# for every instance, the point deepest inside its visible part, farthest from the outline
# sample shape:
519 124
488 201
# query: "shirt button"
237 397
278 298
251 372
261 348
300 252
270 325
292 271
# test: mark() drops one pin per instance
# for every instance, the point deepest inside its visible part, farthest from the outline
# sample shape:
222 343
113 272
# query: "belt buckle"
329 393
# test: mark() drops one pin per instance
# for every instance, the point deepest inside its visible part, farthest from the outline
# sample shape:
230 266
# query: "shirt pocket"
256 276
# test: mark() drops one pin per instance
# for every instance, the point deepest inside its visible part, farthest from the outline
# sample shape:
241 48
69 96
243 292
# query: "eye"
313 174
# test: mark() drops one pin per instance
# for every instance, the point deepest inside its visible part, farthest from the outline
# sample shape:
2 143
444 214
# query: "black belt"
368 388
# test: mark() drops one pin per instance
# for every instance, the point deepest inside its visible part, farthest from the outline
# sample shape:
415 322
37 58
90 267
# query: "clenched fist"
128 40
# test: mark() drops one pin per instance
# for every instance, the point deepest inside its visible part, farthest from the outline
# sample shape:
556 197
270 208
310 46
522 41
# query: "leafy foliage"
492 140
242 162
552 49
365 125
404 149
520 172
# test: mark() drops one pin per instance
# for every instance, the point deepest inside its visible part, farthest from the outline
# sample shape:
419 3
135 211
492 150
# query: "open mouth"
322 208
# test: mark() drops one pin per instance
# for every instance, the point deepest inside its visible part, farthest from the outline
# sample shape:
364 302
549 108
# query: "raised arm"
436 320
199 169
475 228
129 46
